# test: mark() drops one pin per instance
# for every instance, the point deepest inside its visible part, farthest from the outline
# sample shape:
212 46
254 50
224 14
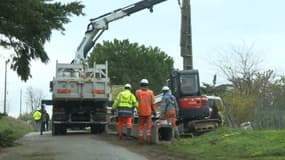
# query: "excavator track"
201 126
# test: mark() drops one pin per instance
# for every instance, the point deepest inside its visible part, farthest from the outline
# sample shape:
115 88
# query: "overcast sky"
216 25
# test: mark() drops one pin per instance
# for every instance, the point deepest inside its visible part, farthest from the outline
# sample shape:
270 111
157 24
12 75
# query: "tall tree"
25 26
130 62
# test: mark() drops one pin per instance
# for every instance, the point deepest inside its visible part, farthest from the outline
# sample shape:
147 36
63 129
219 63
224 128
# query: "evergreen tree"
130 62
25 26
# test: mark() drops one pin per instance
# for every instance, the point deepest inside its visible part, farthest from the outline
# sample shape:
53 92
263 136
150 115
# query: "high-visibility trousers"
141 122
171 114
124 120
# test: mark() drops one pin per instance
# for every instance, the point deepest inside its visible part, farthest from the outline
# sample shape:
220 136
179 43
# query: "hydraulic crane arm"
98 25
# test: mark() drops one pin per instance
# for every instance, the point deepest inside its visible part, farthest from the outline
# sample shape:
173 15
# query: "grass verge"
234 144
11 129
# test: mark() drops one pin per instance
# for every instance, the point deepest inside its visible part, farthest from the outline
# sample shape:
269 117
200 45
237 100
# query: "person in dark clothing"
45 121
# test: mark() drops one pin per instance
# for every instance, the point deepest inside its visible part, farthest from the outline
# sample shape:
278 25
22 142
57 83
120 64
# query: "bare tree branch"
240 66
34 97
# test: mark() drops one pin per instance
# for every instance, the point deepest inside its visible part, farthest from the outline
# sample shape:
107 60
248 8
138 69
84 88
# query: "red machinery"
194 110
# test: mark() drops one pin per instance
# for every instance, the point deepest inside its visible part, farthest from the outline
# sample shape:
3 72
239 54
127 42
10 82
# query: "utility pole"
186 35
5 85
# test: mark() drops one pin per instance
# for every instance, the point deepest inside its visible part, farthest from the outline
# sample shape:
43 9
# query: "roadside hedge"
11 129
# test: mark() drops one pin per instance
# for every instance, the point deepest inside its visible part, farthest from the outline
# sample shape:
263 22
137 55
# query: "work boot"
129 132
148 139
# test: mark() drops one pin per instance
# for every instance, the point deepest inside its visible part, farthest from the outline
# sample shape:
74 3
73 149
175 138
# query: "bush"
12 129
7 138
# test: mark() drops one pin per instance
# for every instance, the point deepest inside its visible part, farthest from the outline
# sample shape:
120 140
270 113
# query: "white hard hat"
144 81
165 88
128 85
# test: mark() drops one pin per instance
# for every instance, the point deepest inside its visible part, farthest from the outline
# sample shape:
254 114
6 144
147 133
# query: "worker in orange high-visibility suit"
146 108
125 102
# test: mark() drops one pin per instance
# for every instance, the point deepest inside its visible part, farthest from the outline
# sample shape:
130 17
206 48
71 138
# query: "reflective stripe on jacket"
146 102
125 111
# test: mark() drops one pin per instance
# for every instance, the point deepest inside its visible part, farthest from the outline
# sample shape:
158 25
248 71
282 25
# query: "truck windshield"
189 84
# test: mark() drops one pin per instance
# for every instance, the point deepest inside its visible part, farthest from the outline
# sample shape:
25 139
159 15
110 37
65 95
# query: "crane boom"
98 25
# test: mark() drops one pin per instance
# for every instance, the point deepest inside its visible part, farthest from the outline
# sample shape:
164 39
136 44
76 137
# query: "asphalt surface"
73 146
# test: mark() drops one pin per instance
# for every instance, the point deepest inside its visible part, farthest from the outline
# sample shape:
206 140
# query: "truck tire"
58 129
62 129
101 128
52 130
93 129
55 129
98 128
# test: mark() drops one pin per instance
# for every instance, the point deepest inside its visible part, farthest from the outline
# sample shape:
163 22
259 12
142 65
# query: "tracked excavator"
194 110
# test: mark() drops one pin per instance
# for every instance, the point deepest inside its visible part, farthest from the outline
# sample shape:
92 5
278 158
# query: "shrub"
7 138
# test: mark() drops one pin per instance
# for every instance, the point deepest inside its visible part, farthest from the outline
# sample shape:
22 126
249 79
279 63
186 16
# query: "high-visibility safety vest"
37 115
125 102
146 102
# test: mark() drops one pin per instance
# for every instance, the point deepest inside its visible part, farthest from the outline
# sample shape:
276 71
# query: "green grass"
234 144
11 129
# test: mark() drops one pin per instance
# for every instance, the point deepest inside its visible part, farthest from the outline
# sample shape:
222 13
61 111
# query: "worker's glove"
154 114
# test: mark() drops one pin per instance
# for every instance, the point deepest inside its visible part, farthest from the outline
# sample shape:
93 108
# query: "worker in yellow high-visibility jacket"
37 117
125 102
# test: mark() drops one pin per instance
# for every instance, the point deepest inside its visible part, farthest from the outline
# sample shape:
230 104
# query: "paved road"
73 146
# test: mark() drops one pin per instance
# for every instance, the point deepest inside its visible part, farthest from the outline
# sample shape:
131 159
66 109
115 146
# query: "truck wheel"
55 129
101 128
97 128
62 129
93 129
58 129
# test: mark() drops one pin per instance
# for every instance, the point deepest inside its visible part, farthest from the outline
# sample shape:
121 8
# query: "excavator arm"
98 25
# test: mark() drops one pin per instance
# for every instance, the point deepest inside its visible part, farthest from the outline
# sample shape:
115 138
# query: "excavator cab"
185 83
193 107
185 86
